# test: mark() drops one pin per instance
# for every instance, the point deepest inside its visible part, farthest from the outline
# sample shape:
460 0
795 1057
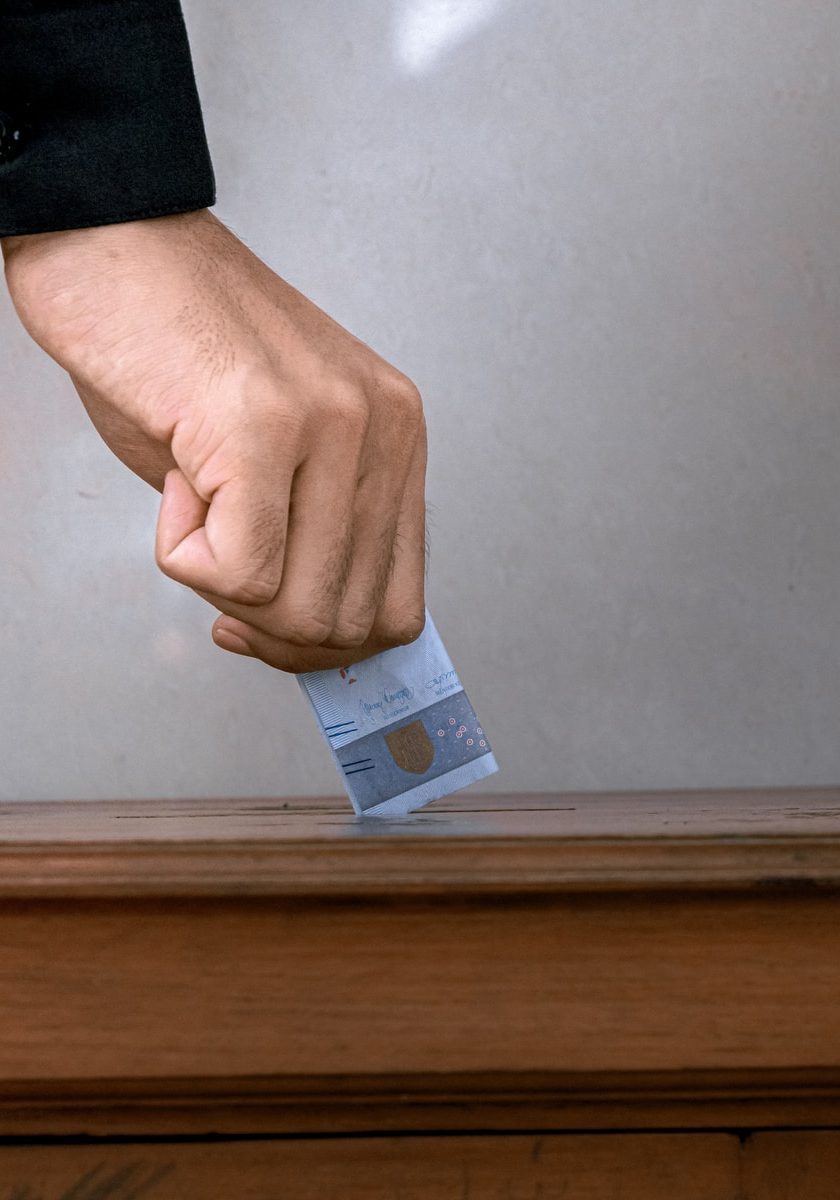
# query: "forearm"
103 97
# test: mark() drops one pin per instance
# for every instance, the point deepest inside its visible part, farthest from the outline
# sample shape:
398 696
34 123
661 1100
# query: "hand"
291 457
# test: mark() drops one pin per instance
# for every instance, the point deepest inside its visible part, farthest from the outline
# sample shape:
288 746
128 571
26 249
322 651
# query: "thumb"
232 545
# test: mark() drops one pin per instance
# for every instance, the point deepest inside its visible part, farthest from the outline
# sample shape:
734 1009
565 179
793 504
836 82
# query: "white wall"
603 238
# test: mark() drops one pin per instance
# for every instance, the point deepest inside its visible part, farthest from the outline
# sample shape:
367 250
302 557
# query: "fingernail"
223 637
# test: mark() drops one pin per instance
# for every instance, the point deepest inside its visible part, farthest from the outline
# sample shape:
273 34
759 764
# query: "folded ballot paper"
400 727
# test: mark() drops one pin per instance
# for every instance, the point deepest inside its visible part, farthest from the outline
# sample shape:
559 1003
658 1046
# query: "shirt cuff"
100 120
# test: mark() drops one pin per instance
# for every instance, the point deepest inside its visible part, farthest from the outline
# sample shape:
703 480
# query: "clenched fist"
291 457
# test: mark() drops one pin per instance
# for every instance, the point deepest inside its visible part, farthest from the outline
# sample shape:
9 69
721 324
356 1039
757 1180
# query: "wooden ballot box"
519 997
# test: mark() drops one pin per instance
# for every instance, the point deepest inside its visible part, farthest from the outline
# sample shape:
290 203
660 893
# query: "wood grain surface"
800 1165
575 985
587 1167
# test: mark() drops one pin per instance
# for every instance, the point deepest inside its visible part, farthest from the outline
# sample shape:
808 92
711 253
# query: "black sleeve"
100 120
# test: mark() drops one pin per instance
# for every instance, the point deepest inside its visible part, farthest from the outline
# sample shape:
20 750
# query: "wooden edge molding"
417 867
608 1100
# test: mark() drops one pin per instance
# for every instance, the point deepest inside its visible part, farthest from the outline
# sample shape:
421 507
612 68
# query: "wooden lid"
468 843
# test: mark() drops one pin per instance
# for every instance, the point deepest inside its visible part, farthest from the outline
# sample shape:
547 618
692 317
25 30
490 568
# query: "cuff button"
11 137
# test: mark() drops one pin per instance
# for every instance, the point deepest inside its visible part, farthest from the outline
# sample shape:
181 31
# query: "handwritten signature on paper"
388 698
127 1183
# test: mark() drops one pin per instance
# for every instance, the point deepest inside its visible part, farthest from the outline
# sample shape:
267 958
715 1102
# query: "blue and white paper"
400 727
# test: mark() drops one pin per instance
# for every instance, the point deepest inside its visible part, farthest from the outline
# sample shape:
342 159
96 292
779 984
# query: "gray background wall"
603 238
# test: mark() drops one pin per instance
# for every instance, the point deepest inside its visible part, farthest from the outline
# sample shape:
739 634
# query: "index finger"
232 545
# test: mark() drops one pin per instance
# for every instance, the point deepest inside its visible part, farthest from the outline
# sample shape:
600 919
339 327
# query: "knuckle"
274 427
238 589
351 409
172 566
305 628
402 628
169 568
253 592
404 398
264 536
348 635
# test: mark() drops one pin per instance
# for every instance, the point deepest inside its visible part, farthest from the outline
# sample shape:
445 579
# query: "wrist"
91 236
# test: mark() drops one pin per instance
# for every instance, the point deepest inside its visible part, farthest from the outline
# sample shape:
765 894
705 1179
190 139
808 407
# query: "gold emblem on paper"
411 748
